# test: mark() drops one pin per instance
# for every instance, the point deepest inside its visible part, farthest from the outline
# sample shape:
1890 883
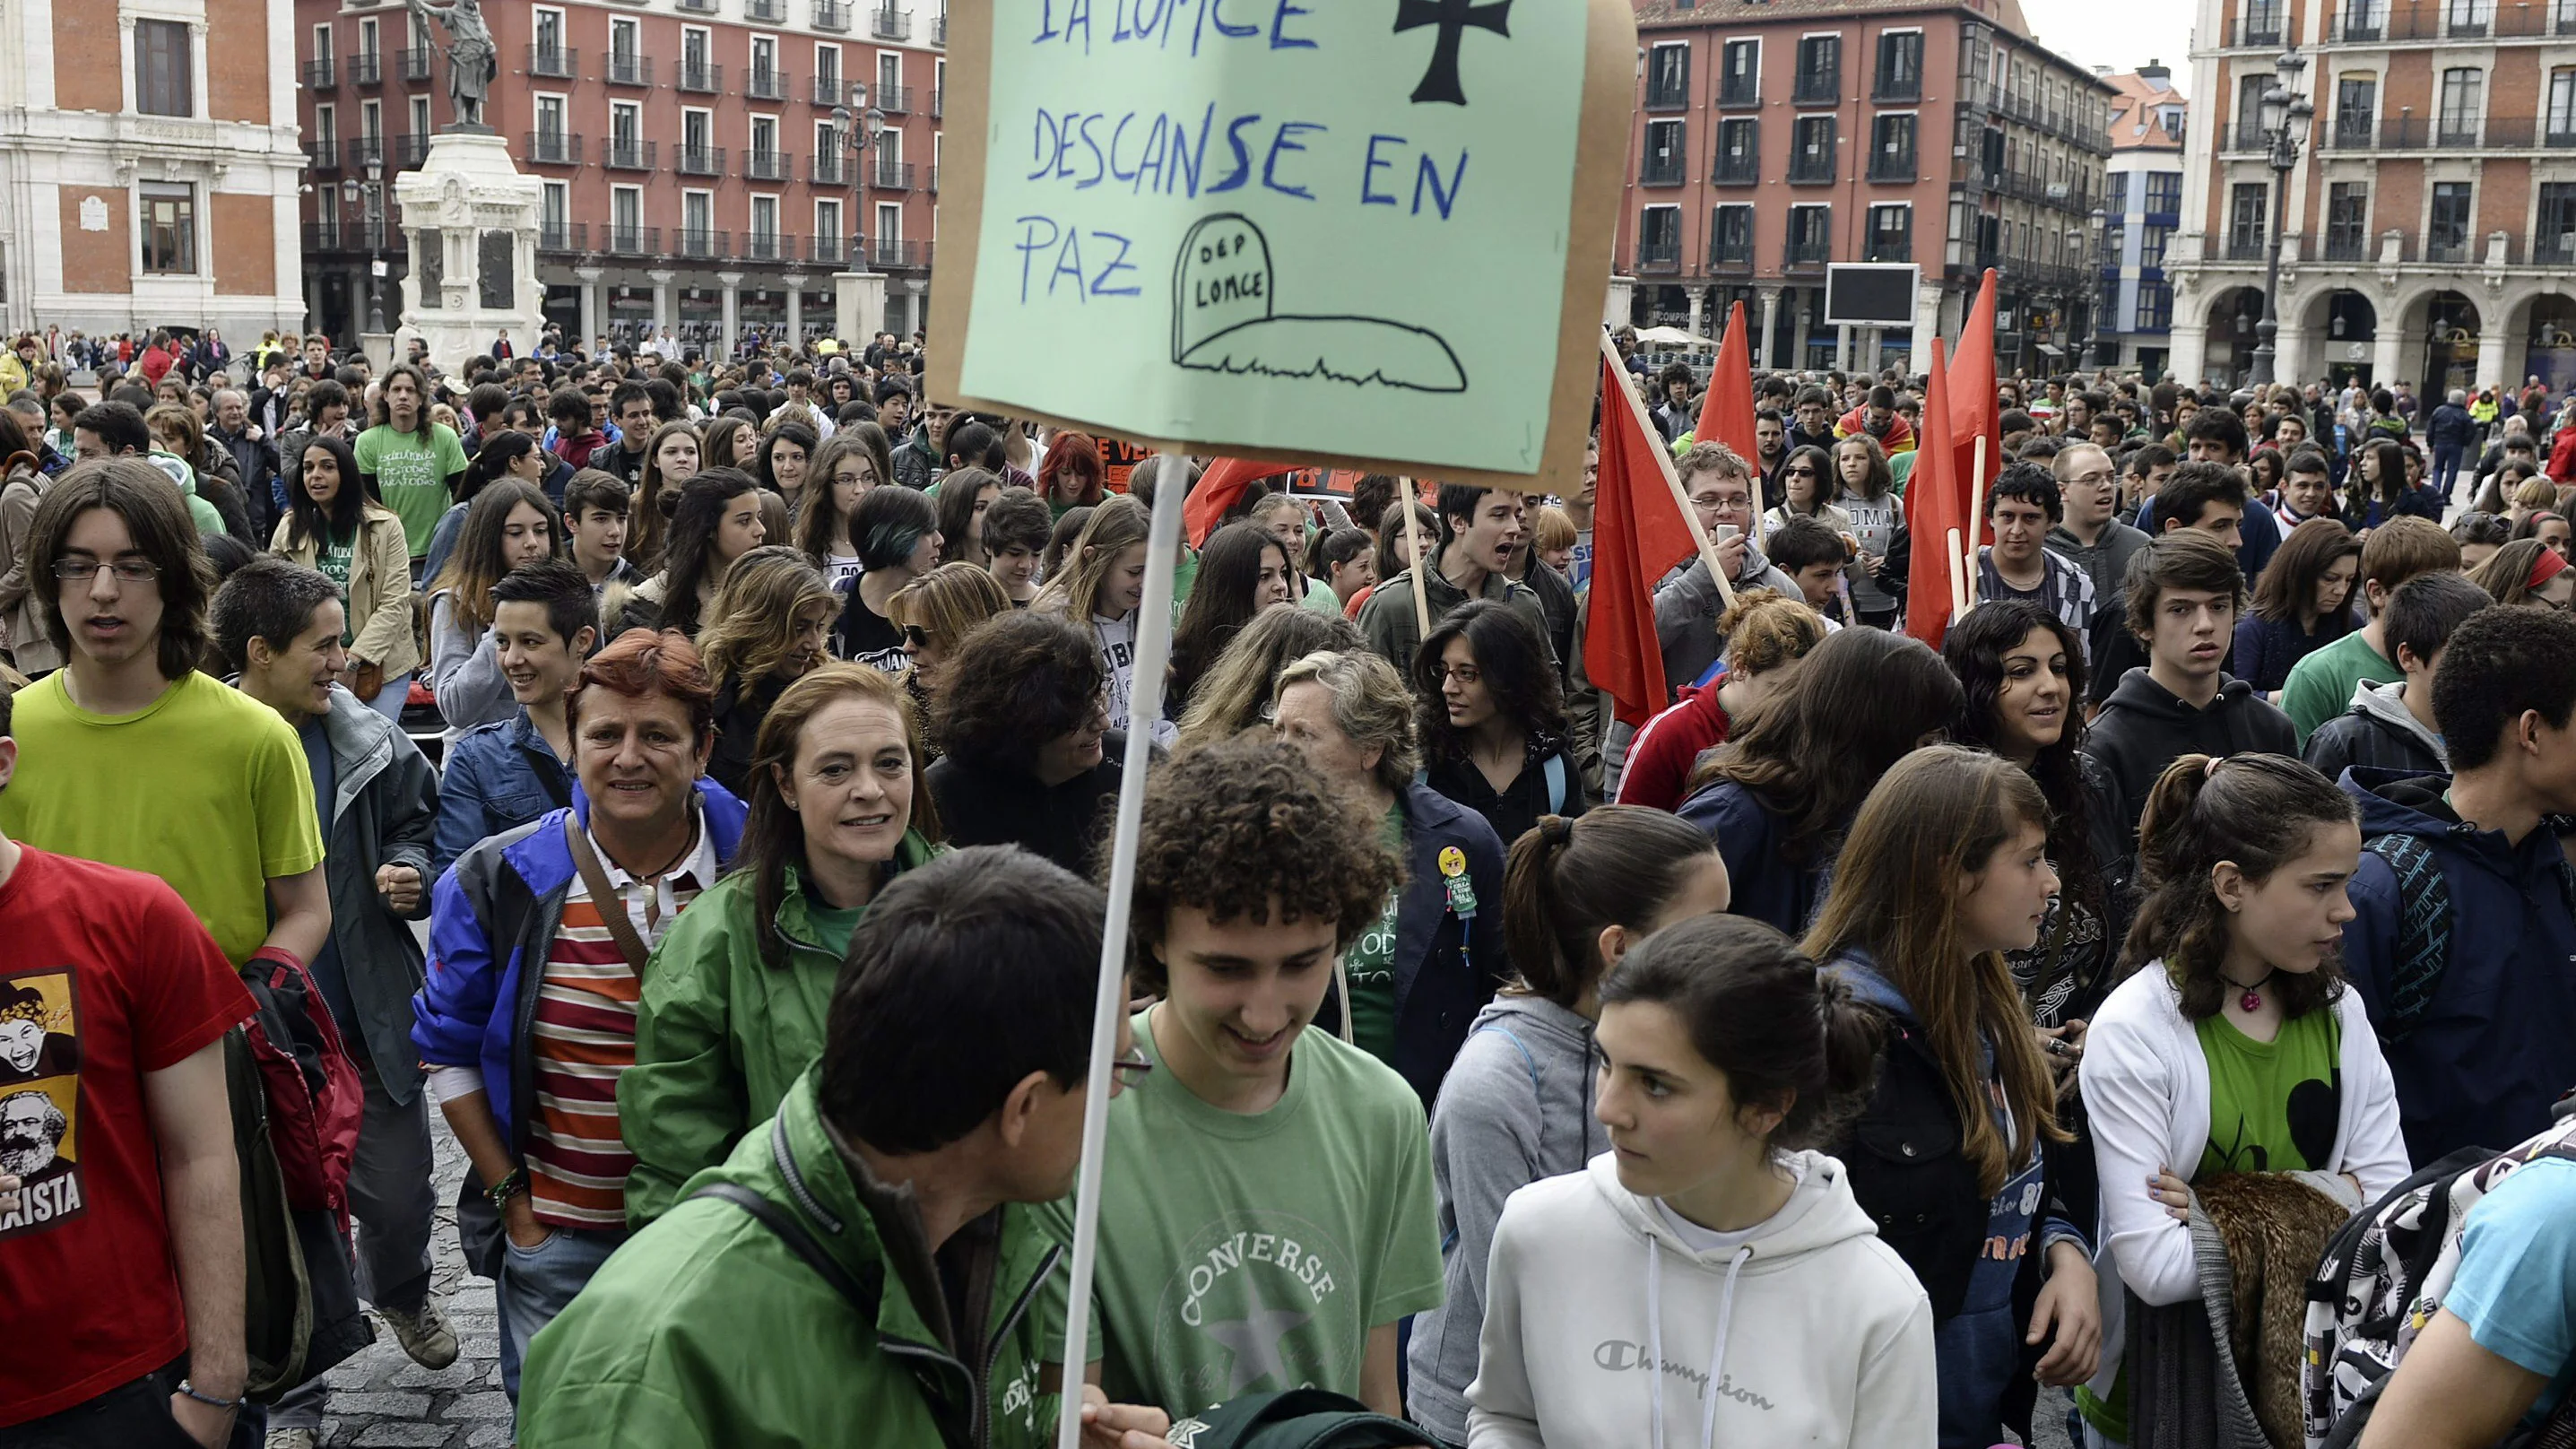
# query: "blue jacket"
1446 968
1767 886
499 777
2266 648
501 902
2494 1043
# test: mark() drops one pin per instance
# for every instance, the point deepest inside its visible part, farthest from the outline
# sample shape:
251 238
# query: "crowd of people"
1892 1040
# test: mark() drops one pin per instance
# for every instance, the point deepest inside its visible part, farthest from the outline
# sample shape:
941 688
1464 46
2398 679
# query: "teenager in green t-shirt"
2320 686
1266 1215
406 460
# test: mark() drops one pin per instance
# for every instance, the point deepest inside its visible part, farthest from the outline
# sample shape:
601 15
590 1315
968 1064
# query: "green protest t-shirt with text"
1242 1252
1369 965
412 476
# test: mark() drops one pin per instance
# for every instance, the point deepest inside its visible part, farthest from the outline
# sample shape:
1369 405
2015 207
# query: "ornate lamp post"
858 125
2285 125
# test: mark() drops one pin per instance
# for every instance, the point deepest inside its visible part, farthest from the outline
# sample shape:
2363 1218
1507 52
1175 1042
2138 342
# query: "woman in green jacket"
736 996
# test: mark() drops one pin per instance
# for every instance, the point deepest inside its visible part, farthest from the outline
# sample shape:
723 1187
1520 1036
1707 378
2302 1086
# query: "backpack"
2424 928
314 1097
2384 1275
1296 1419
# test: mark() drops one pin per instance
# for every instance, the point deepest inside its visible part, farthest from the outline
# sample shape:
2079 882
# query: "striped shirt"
583 1039
2064 590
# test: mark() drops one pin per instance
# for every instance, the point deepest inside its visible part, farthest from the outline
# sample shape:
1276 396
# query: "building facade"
1774 138
148 166
2141 210
695 179
2429 227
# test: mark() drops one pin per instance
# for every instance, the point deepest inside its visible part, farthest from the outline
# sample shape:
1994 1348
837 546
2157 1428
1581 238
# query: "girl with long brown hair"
671 459
764 630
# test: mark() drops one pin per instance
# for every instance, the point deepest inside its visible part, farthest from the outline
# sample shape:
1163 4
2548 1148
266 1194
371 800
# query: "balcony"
934 181
701 245
764 85
832 15
554 62
2242 248
412 64
322 75
2260 26
632 241
1738 91
828 90
322 155
1744 170
891 176
409 152
2363 26
630 70
2447 251
1818 87
365 150
1663 170
366 68
1897 88
552 148
828 168
1889 170
1808 170
2556 249
898 255
886 22
1807 256
700 160
1667 95
2350 133
939 30
629 155
1659 257
768 246
703 77
324 235
893 100
768 166
697 7
2243 136
333 234
938 102
827 248
563 236
765 12
2347 248
2512 133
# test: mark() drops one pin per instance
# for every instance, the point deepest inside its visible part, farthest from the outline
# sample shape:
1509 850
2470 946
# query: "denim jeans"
538 1283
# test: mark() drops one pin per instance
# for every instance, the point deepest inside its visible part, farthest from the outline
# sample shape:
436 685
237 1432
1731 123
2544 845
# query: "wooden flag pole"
1672 479
1421 560
1976 515
1958 584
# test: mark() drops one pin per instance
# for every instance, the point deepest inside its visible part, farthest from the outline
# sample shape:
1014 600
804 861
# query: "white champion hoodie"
1814 1333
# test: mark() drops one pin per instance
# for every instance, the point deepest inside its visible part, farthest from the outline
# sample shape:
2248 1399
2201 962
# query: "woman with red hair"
1069 475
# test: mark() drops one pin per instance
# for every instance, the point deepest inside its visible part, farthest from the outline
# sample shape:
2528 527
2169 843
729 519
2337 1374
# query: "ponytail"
1567 881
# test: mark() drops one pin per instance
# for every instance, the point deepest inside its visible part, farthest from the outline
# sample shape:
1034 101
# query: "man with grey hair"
2449 431
230 427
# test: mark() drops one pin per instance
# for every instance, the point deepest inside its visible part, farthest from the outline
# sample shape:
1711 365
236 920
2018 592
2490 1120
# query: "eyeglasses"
1130 1071
2090 480
1800 472
127 570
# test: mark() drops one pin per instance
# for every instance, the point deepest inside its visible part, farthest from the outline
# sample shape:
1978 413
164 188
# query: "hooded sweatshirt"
1516 1107
2144 727
1603 1326
2379 732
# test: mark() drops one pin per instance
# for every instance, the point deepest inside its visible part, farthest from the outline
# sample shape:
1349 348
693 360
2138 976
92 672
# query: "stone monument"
469 218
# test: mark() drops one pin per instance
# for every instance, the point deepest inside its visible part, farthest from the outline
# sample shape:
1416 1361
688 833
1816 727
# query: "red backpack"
314 1096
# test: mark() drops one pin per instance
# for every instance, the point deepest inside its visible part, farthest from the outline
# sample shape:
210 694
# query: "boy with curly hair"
1266 1217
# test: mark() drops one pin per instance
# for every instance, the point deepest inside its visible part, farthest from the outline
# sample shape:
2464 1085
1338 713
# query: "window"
2469 18
764 133
1730 236
2356 109
2262 23
2362 19
626 219
1891 234
1811 151
764 63
555 206
2447 239
1900 66
550 124
1891 148
1739 152
1739 80
326 130
889 243
367 40
889 73
625 125
2115 241
2248 213
2562 108
1659 238
2347 221
697 142
829 235
696 74
764 218
371 124
1668 77
421 126
827 73
321 42
169 223
2151 245
1810 236
2248 135
1666 158
2155 307
2115 193
1820 68
697 221
2462 88
621 38
2553 233
548 31
164 71
2164 192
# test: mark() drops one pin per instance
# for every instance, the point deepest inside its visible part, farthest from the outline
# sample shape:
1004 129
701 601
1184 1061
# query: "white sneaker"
425 1336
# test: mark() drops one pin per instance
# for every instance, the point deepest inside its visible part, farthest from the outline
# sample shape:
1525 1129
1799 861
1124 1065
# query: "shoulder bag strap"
861 1294
612 910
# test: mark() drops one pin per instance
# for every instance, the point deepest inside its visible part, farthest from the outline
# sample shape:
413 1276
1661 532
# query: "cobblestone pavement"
381 1398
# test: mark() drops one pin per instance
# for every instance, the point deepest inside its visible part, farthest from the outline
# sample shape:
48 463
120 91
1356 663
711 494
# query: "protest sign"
1372 234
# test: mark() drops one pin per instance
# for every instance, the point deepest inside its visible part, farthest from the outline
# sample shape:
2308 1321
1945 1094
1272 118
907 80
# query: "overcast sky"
2122 34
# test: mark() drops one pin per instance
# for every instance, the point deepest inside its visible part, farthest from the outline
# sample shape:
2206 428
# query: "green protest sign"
1361 231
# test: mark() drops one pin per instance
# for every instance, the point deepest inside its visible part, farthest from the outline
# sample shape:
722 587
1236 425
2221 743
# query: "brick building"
149 172
693 176
2430 223
2141 208
1772 138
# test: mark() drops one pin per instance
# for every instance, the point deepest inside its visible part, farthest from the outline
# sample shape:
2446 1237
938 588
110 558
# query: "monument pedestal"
860 311
470 219
379 350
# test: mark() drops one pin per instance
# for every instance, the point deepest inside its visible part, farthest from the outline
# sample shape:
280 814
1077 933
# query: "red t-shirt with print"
106 975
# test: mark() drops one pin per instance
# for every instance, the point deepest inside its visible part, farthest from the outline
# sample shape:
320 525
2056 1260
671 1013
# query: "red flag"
1217 490
1973 412
1726 414
1638 534
1936 501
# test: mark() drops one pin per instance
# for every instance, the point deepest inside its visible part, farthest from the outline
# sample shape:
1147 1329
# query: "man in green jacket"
802 1292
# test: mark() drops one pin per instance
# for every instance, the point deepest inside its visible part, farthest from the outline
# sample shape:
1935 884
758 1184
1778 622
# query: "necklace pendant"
2251 1001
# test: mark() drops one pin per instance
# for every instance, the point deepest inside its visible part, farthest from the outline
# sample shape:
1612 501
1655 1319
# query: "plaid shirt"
2064 590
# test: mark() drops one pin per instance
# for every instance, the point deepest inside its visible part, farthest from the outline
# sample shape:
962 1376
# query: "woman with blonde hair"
763 632
734 1007
671 459
935 611
1101 589
1765 634
1235 695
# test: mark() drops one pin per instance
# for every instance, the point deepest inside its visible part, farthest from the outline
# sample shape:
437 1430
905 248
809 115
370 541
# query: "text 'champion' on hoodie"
1602 1326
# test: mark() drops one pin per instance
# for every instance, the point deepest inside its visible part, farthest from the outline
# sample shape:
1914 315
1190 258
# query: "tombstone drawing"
1226 318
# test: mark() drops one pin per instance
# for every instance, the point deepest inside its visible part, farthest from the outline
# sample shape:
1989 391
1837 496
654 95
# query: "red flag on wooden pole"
1638 535
1973 411
1217 490
1726 413
1936 510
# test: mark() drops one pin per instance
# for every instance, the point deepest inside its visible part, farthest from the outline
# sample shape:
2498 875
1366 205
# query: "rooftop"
2137 117
2004 15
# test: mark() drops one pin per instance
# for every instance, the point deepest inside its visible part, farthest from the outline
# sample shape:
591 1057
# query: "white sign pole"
1145 705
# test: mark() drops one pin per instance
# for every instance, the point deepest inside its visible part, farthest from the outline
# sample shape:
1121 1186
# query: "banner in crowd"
1373 236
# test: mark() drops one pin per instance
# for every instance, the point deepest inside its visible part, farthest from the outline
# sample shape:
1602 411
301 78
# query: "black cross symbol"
1440 82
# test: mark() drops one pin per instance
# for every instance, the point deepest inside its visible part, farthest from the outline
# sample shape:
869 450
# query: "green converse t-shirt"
1242 1252
2320 685
1370 962
412 476
2272 1105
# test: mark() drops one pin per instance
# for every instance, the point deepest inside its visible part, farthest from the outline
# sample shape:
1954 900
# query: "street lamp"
371 219
857 126
2285 116
2096 237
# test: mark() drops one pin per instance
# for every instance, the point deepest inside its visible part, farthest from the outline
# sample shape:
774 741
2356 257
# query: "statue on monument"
472 60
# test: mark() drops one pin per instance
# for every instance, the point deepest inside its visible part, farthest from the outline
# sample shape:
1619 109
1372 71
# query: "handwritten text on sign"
1278 224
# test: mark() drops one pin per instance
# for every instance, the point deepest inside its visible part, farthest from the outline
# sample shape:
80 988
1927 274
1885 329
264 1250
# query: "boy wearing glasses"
2090 536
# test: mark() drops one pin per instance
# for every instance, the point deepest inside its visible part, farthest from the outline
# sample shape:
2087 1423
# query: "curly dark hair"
1036 676
1246 824
1974 650
1513 656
